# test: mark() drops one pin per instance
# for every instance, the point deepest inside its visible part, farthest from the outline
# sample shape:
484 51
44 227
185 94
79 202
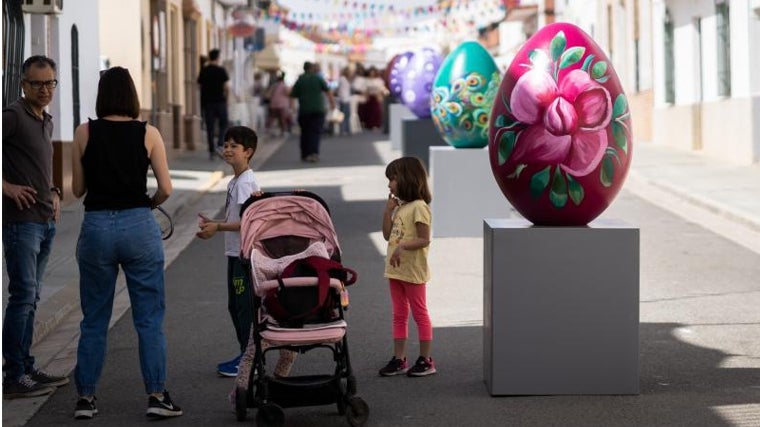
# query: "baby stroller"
298 283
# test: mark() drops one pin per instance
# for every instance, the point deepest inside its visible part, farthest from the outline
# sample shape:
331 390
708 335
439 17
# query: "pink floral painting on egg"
559 117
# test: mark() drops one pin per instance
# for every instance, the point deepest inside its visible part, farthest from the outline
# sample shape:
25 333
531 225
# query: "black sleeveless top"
115 165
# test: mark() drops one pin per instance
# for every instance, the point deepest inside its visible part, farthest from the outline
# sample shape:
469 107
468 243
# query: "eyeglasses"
37 84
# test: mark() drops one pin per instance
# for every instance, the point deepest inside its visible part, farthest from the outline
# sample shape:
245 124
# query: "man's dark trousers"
311 132
214 112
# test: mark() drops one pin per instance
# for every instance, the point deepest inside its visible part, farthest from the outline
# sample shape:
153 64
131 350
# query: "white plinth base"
560 308
417 136
464 192
397 113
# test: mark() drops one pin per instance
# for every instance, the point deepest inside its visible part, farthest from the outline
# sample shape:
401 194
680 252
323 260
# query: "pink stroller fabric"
287 215
283 216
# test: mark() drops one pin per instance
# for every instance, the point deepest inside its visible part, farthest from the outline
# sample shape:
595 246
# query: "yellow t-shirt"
414 264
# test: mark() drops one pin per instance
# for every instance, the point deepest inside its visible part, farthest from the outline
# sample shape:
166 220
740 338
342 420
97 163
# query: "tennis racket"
164 221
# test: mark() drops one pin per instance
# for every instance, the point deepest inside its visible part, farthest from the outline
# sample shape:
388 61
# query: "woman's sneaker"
395 367
422 367
85 409
162 408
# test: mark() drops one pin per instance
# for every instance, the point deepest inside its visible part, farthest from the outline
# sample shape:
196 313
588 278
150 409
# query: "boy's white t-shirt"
238 191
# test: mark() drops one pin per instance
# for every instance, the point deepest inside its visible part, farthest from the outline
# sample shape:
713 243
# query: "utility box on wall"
42 6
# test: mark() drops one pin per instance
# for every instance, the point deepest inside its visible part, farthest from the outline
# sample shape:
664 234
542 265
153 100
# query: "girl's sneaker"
395 367
422 367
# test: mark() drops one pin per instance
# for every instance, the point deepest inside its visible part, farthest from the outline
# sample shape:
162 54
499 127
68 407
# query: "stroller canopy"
288 214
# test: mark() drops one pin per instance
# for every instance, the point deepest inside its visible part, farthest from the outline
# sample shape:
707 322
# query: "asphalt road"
699 331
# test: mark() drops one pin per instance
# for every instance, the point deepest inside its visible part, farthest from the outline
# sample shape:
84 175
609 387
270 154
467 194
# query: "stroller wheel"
270 415
357 411
241 403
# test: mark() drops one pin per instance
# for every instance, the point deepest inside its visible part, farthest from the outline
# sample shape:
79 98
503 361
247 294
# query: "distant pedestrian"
31 207
279 105
110 160
375 91
344 99
406 227
215 87
239 148
309 89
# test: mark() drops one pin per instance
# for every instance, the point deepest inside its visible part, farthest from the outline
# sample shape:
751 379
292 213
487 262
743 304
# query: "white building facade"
707 98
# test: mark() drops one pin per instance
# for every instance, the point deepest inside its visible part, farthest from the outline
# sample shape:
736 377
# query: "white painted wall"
120 39
51 35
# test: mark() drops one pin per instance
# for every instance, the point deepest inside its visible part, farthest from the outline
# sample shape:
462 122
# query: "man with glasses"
31 207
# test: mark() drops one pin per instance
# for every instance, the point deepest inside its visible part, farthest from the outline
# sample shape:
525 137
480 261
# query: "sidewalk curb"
705 203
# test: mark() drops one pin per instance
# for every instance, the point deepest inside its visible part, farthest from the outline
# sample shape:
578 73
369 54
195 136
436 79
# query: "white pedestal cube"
464 191
397 113
560 308
417 136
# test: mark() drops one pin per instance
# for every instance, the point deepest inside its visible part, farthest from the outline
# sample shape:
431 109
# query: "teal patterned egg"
463 93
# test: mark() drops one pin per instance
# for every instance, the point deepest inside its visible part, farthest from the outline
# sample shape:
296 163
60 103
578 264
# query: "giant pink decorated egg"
560 132
417 81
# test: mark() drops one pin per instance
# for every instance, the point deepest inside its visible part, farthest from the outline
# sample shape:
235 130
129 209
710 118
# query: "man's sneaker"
162 408
85 409
229 368
422 367
395 367
25 387
47 379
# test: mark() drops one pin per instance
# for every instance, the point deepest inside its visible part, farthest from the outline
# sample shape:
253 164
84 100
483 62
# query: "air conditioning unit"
42 6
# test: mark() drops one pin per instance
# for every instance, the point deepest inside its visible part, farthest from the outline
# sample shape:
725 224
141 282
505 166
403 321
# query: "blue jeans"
345 125
129 238
26 246
213 113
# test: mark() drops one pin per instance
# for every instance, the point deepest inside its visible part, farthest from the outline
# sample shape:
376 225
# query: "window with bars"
75 76
670 73
723 47
13 50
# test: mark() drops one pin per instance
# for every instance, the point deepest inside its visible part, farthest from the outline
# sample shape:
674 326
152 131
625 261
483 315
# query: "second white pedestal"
397 113
417 136
464 192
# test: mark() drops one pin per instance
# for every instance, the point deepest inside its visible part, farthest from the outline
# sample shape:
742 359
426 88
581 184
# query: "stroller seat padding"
315 334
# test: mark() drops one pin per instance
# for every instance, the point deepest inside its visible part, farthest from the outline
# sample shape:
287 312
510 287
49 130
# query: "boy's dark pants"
239 300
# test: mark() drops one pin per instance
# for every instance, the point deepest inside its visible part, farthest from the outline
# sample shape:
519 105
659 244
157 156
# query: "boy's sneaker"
229 368
47 379
422 367
395 367
162 408
25 387
85 409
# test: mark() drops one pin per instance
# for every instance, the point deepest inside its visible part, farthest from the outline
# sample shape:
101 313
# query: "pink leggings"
403 296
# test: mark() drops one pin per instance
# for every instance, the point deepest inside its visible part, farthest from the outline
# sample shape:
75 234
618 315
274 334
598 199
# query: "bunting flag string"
357 22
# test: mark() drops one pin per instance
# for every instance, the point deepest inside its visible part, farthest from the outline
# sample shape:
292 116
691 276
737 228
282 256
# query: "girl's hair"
244 136
411 179
117 94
